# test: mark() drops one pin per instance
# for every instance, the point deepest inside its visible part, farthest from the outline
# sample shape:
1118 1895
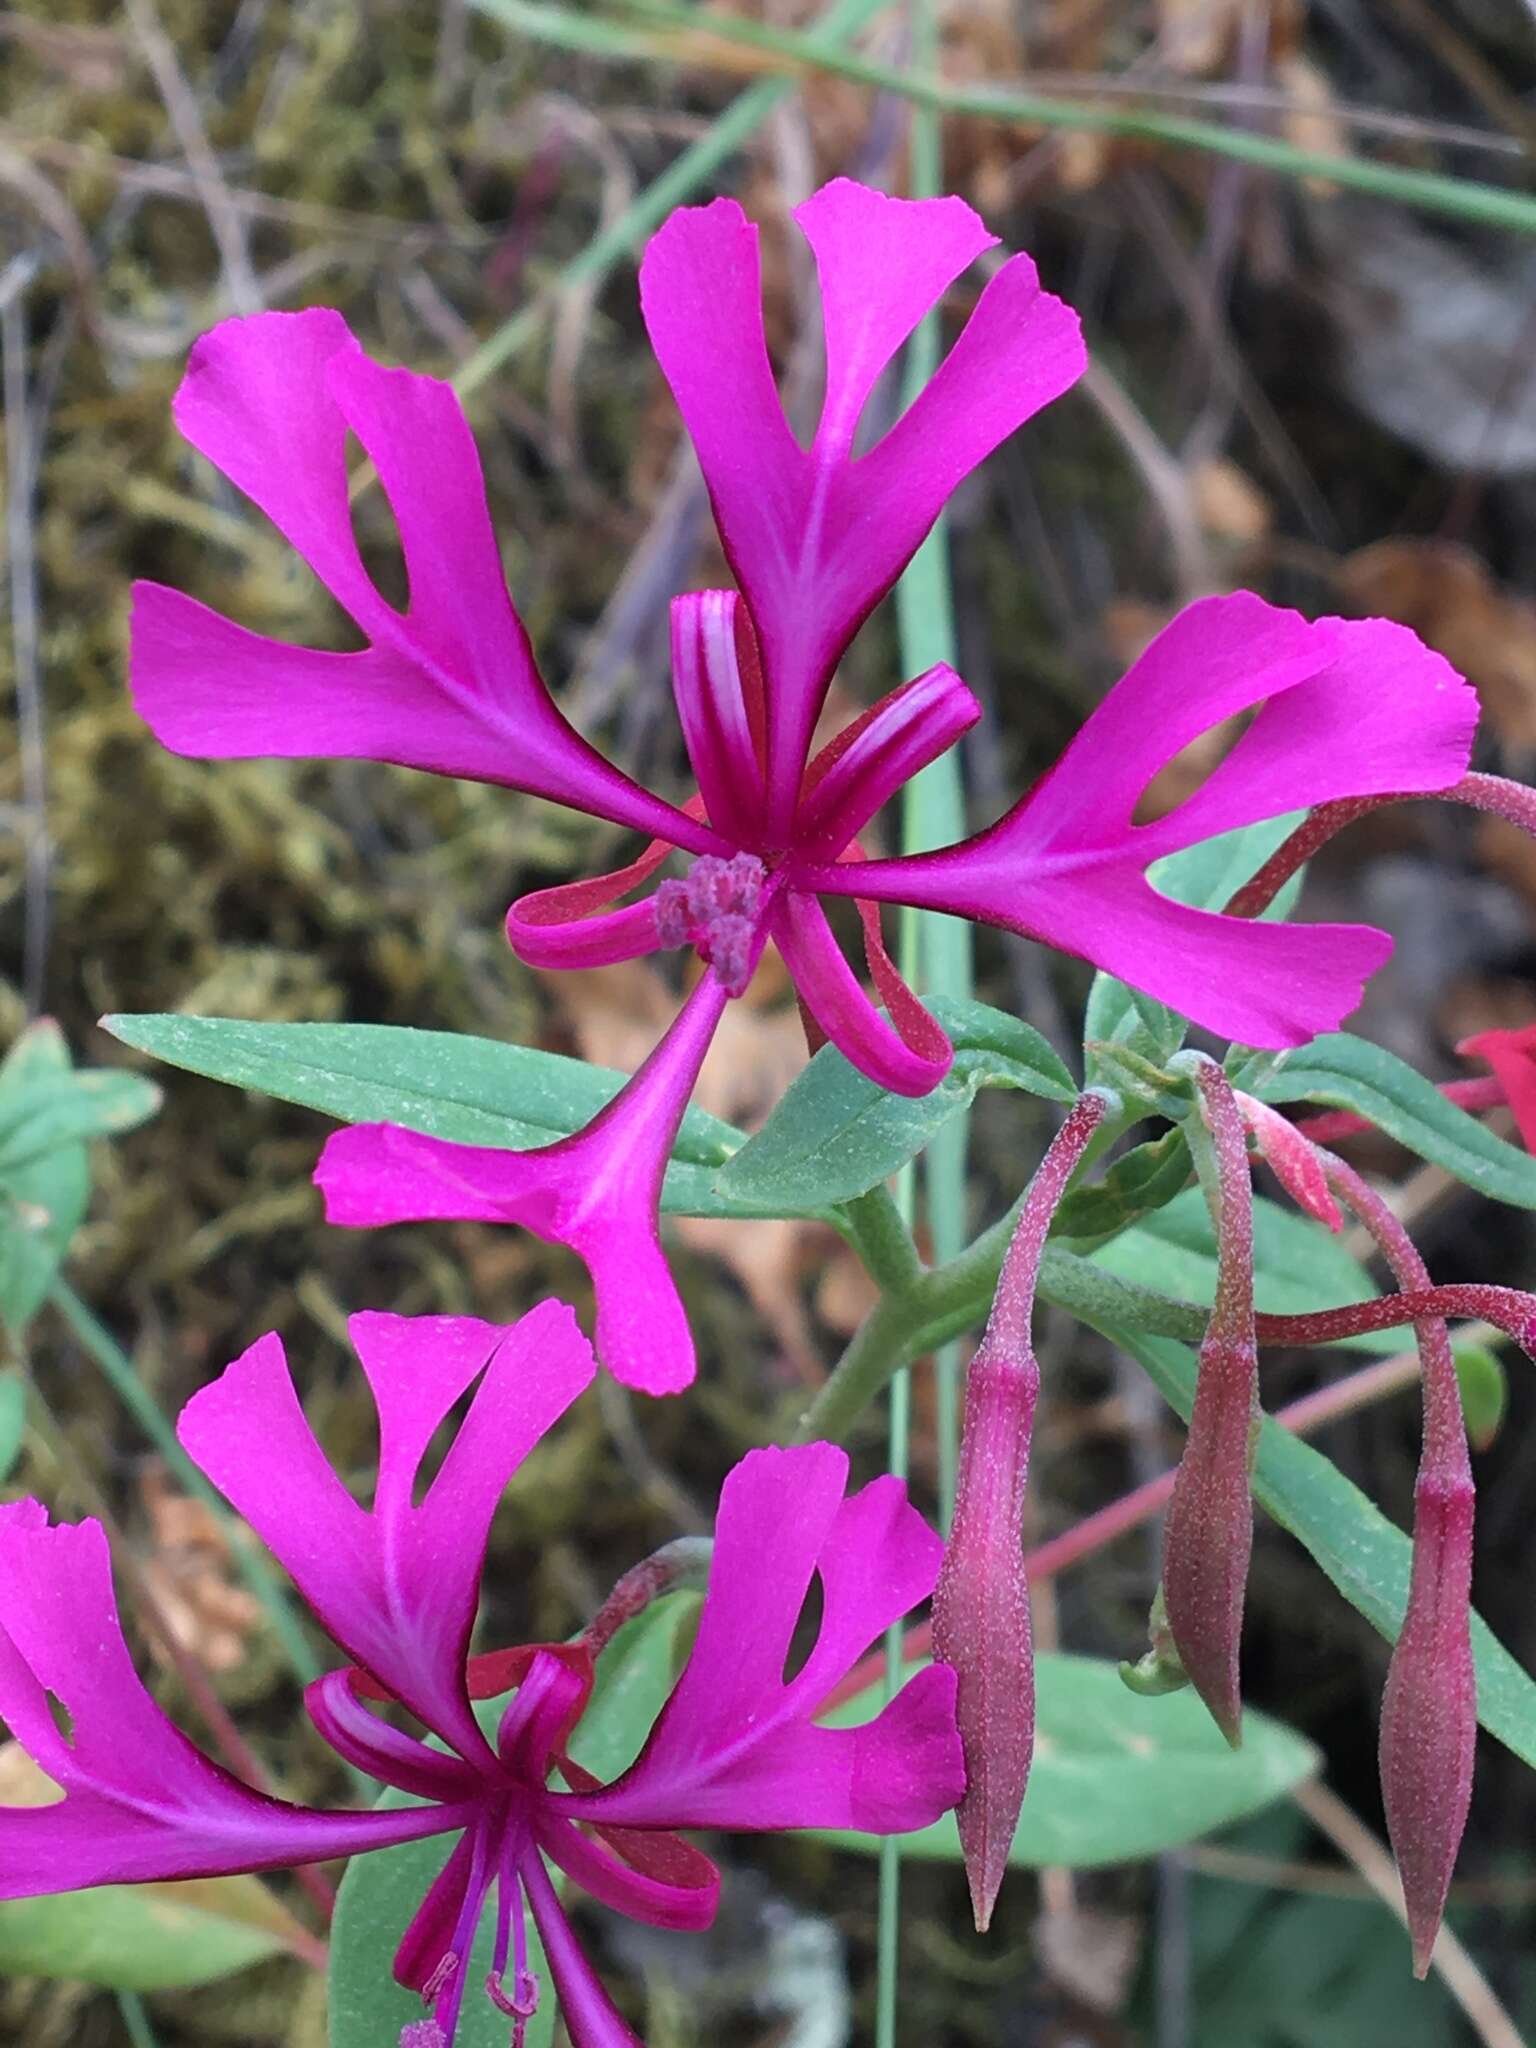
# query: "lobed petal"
140 1802
450 683
816 537
1360 707
598 1192
397 1588
737 1747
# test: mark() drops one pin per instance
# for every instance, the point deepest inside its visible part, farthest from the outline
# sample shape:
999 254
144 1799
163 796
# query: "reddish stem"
1058 1553
1494 794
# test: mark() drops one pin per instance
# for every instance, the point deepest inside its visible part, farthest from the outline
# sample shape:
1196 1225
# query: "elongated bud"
981 1624
1292 1159
1208 1537
1429 1707
1512 1056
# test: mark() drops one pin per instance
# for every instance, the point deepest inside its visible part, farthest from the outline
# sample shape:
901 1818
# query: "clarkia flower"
981 1618
396 1587
815 537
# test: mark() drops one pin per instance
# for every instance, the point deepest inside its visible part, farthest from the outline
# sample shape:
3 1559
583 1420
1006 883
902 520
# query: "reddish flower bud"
1208 1537
1429 1708
1291 1159
981 1622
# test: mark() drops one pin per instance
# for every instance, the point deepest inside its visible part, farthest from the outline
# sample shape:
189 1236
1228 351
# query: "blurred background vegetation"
1300 384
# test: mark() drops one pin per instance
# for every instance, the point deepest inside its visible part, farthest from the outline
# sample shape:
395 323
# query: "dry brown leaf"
1448 596
1230 505
1311 122
188 1570
24 1783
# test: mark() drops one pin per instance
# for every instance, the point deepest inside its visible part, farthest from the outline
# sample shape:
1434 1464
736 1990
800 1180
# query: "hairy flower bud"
981 1621
1429 1707
1208 1537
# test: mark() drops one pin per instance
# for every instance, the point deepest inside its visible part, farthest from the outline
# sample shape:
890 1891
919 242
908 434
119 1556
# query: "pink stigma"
715 908
423 2034
521 2006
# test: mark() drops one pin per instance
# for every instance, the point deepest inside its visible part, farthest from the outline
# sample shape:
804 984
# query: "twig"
1163 476
224 220
1461 1976
20 474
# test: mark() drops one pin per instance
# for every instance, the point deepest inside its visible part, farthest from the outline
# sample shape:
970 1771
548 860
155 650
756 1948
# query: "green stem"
696 165
117 1369
955 1297
883 1239
1455 198
136 2020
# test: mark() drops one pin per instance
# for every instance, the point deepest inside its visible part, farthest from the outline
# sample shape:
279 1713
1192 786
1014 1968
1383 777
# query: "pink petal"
1512 1056
829 990
1348 707
141 1803
866 764
397 1588
559 928
735 1746
598 1192
817 537
448 685
707 629
631 1891
591 2018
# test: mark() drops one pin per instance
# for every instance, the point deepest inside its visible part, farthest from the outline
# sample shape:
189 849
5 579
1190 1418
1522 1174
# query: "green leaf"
1205 877
147 1937
635 1674
1344 1072
380 1892
1117 1777
472 1091
13 1420
1296 1262
836 1134
68 1108
43 1199
1484 1391
1141 1181
1367 1557
375 1903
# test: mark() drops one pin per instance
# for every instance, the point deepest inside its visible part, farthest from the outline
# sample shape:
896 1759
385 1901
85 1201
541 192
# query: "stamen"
715 908
447 1969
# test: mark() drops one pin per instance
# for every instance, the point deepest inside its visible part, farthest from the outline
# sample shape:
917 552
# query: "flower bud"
981 1620
1208 1536
1429 1707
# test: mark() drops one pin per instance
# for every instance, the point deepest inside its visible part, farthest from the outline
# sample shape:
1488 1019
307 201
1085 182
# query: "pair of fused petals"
815 535
396 1587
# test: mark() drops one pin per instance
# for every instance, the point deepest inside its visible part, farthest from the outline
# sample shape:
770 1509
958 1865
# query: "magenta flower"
396 1588
816 536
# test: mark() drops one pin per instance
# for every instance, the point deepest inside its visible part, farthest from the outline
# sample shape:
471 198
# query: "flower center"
715 909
